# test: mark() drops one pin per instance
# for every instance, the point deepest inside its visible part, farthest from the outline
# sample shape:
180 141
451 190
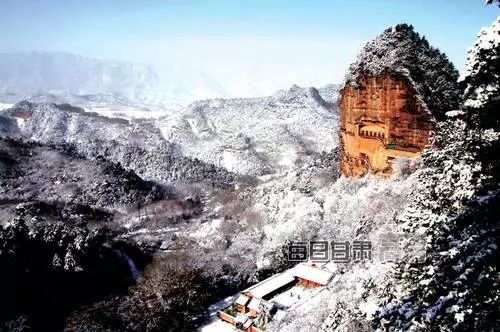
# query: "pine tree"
489 2
482 78
456 285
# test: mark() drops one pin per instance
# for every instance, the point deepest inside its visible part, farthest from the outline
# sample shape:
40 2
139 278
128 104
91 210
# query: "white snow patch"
4 106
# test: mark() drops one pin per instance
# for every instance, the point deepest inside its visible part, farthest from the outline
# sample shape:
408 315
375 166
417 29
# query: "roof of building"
271 284
247 324
319 264
242 300
312 273
330 267
241 318
255 304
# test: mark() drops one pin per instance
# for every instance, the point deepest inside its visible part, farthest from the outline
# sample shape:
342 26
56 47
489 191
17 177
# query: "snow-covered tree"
482 77
489 2
456 285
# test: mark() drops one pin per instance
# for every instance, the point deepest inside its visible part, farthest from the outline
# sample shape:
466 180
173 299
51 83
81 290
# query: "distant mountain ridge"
67 78
136 145
256 136
247 136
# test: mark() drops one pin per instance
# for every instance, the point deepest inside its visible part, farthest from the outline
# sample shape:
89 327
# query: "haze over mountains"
128 204
130 148
269 134
65 77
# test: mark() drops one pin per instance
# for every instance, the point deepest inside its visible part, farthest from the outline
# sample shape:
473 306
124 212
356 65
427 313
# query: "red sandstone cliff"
381 119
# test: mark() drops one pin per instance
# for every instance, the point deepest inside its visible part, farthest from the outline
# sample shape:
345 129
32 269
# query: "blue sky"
308 42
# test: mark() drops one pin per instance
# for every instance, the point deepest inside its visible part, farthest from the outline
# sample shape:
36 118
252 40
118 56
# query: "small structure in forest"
256 305
311 276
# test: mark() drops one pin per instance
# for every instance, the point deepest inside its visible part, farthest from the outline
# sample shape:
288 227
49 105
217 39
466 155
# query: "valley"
213 185
135 197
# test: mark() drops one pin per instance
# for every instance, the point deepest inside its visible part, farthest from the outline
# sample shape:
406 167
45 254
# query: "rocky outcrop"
392 95
382 118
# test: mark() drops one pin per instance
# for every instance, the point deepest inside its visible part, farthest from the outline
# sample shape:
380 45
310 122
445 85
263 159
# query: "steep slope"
135 144
57 173
256 136
451 205
392 95
401 51
398 56
456 285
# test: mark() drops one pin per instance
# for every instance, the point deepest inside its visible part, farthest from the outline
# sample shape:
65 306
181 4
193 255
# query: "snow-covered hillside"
68 78
136 144
248 136
272 166
255 136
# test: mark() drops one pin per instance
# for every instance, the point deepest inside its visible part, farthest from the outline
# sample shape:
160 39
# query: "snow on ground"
217 325
5 106
214 308
346 291
126 112
345 209
20 122
255 136
290 299
294 295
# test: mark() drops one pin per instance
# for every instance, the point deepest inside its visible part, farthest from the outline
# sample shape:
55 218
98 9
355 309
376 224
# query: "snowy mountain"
246 224
70 76
118 215
136 145
73 179
456 286
255 136
401 51
249 136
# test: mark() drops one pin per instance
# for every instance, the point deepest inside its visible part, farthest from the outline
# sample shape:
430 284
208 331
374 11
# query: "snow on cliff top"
401 51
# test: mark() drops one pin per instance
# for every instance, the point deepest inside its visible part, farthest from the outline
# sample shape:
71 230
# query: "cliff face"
381 119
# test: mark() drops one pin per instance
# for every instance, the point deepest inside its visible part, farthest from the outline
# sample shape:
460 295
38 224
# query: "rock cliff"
392 96
381 119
